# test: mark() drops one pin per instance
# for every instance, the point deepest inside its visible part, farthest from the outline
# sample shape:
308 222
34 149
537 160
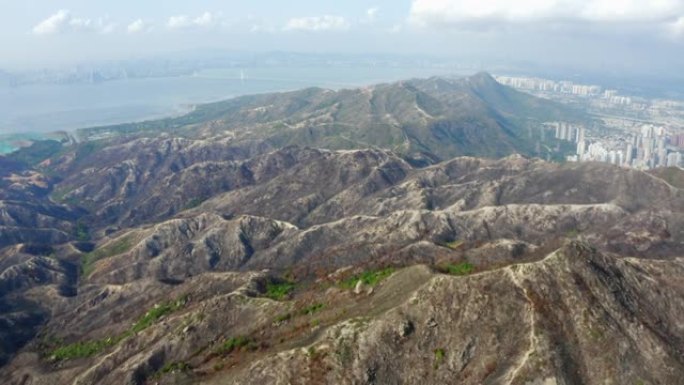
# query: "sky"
607 35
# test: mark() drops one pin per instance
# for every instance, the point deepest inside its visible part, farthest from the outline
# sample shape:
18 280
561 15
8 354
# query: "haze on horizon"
617 36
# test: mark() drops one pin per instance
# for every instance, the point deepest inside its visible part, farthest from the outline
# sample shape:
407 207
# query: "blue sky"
618 34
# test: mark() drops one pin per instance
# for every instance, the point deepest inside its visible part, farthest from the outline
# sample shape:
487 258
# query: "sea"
31 112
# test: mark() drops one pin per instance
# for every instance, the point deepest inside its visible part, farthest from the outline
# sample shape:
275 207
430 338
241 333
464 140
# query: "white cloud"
317 23
632 10
426 12
372 13
677 27
181 21
137 26
62 21
205 20
53 24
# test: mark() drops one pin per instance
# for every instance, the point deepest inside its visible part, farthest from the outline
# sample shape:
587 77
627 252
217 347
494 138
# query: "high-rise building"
581 149
674 159
629 155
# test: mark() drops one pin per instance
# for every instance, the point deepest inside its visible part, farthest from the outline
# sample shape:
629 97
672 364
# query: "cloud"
396 28
62 21
53 24
676 28
137 26
205 20
372 13
317 23
463 12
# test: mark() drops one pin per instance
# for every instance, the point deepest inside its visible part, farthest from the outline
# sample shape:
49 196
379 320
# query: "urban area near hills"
423 231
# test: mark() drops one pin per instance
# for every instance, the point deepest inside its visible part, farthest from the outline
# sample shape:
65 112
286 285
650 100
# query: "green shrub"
312 309
283 317
82 233
439 357
370 278
311 352
156 313
175 367
110 249
236 343
90 348
278 291
573 233
84 349
463 268
192 203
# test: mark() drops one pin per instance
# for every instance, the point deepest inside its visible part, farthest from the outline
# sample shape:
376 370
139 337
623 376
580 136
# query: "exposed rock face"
575 316
26 213
308 187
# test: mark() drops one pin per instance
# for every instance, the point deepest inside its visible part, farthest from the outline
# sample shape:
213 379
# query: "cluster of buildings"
568 131
555 89
636 132
648 147
545 85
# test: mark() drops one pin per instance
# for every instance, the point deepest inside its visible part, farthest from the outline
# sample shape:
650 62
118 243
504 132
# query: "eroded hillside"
333 237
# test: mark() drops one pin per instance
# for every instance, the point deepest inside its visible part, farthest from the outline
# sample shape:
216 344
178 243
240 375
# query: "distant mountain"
430 119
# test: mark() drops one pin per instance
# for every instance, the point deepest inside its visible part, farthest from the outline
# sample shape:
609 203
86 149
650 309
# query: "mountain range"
397 233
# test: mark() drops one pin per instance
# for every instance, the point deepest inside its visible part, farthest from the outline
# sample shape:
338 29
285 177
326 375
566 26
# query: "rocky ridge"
218 248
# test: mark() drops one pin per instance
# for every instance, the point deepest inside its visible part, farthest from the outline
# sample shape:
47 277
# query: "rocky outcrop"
574 316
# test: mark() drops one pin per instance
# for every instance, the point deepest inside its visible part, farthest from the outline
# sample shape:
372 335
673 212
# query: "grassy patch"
595 334
192 203
439 357
463 268
236 344
82 233
172 367
36 152
312 309
110 249
156 313
88 148
572 233
283 317
279 290
308 310
312 352
90 348
84 349
370 278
